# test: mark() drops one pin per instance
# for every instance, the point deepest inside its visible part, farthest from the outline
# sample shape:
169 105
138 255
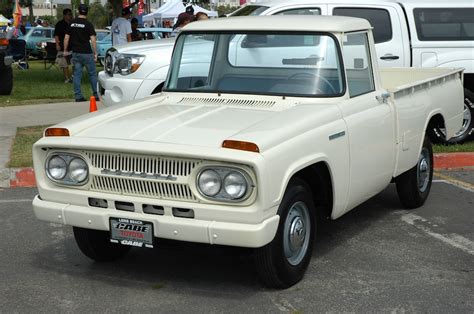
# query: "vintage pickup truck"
266 124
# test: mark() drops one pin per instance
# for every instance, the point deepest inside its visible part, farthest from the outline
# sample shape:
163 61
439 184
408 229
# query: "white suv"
134 71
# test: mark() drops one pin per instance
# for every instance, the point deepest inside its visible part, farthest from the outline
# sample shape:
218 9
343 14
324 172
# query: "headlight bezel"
222 195
67 179
127 63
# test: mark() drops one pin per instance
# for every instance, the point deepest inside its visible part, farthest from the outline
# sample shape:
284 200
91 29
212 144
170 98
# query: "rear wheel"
283 262
414 185
96 245
6 80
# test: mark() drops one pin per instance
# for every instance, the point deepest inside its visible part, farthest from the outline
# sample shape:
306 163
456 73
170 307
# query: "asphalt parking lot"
377 258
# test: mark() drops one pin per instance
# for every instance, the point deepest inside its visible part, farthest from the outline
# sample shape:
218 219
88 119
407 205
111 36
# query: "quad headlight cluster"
67 169
225 184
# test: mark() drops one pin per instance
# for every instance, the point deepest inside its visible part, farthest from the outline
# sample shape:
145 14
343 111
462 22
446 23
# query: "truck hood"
140 47
201 122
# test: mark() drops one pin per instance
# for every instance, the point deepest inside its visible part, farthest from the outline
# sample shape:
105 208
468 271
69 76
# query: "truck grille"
140 175
143 188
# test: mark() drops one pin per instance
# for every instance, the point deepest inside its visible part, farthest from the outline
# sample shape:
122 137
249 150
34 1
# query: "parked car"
6 72
35 37
408 33
265 125
148 34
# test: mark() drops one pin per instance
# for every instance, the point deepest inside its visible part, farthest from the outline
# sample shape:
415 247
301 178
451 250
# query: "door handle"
389 56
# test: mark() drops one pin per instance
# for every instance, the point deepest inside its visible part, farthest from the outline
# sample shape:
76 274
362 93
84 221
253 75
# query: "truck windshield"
284 64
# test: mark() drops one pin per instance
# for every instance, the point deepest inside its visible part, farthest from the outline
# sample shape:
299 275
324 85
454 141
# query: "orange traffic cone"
92 104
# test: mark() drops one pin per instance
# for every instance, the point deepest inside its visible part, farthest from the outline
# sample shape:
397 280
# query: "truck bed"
398 79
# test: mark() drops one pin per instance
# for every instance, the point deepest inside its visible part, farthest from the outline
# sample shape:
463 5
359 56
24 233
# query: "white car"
408 33
264 126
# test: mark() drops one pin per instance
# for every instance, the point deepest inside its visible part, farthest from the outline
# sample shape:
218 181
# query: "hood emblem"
142 175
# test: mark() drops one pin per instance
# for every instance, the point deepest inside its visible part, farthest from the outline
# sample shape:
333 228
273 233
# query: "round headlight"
235 185
57 168
78 170
209 182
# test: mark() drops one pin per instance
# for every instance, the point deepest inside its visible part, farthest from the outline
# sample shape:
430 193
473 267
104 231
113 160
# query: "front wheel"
96 245
283 262
413 186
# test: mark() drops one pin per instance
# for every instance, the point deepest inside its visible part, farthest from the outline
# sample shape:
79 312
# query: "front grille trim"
106 169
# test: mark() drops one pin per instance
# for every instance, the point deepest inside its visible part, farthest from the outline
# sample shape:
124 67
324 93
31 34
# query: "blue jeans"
78 61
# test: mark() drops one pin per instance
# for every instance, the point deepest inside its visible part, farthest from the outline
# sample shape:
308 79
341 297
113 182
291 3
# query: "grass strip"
467 147
21 155
38 85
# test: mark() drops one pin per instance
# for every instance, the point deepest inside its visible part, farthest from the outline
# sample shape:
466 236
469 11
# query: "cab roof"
336 24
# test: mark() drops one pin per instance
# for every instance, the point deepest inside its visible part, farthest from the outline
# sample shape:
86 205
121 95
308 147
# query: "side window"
378 18
196 61
444 24
301 11
37 33
358 64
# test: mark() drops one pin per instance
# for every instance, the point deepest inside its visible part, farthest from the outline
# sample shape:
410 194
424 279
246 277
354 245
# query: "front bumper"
166 226
117 89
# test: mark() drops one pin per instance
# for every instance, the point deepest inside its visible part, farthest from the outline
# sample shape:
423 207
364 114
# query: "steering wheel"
316 77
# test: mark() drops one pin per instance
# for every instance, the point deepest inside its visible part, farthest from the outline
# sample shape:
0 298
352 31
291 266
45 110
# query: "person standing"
63 60
136 35
122 29
183 20
82 37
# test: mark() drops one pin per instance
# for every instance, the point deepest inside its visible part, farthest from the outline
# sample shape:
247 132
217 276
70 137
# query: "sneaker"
80 99
97 98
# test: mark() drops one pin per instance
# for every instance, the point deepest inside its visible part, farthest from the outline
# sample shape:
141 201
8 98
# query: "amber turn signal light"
3 42
247 146
56 132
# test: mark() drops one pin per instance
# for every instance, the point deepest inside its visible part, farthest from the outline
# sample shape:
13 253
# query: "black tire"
96 245
414 185
6 81
274 268
467 131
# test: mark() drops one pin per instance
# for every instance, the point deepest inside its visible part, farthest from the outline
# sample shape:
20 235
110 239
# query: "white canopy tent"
171 10
3 20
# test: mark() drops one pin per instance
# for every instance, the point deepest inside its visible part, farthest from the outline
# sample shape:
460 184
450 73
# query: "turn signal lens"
56 132
3 42
247 146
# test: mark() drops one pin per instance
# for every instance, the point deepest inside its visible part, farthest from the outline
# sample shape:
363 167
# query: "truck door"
390 31
369 122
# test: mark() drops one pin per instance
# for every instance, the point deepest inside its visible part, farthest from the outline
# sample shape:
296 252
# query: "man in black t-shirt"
80 36
62 60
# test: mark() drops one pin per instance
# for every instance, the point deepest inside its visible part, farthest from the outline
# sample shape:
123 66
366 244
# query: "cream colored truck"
265 125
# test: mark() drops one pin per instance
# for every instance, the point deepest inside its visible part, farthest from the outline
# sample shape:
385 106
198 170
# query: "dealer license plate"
131 232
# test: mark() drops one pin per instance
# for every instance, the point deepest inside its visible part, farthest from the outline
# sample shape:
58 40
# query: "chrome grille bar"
142 164
141 175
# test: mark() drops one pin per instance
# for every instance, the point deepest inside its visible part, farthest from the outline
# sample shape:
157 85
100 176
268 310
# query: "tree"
6 8
29 4
98 15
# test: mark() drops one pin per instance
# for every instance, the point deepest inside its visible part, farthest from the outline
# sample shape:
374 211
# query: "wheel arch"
319 178
435 122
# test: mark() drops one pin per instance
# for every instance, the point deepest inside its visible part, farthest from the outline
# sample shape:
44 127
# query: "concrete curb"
25 177
453 160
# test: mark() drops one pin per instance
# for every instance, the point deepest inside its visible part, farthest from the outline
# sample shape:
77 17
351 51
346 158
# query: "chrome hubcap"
423 170
296 233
